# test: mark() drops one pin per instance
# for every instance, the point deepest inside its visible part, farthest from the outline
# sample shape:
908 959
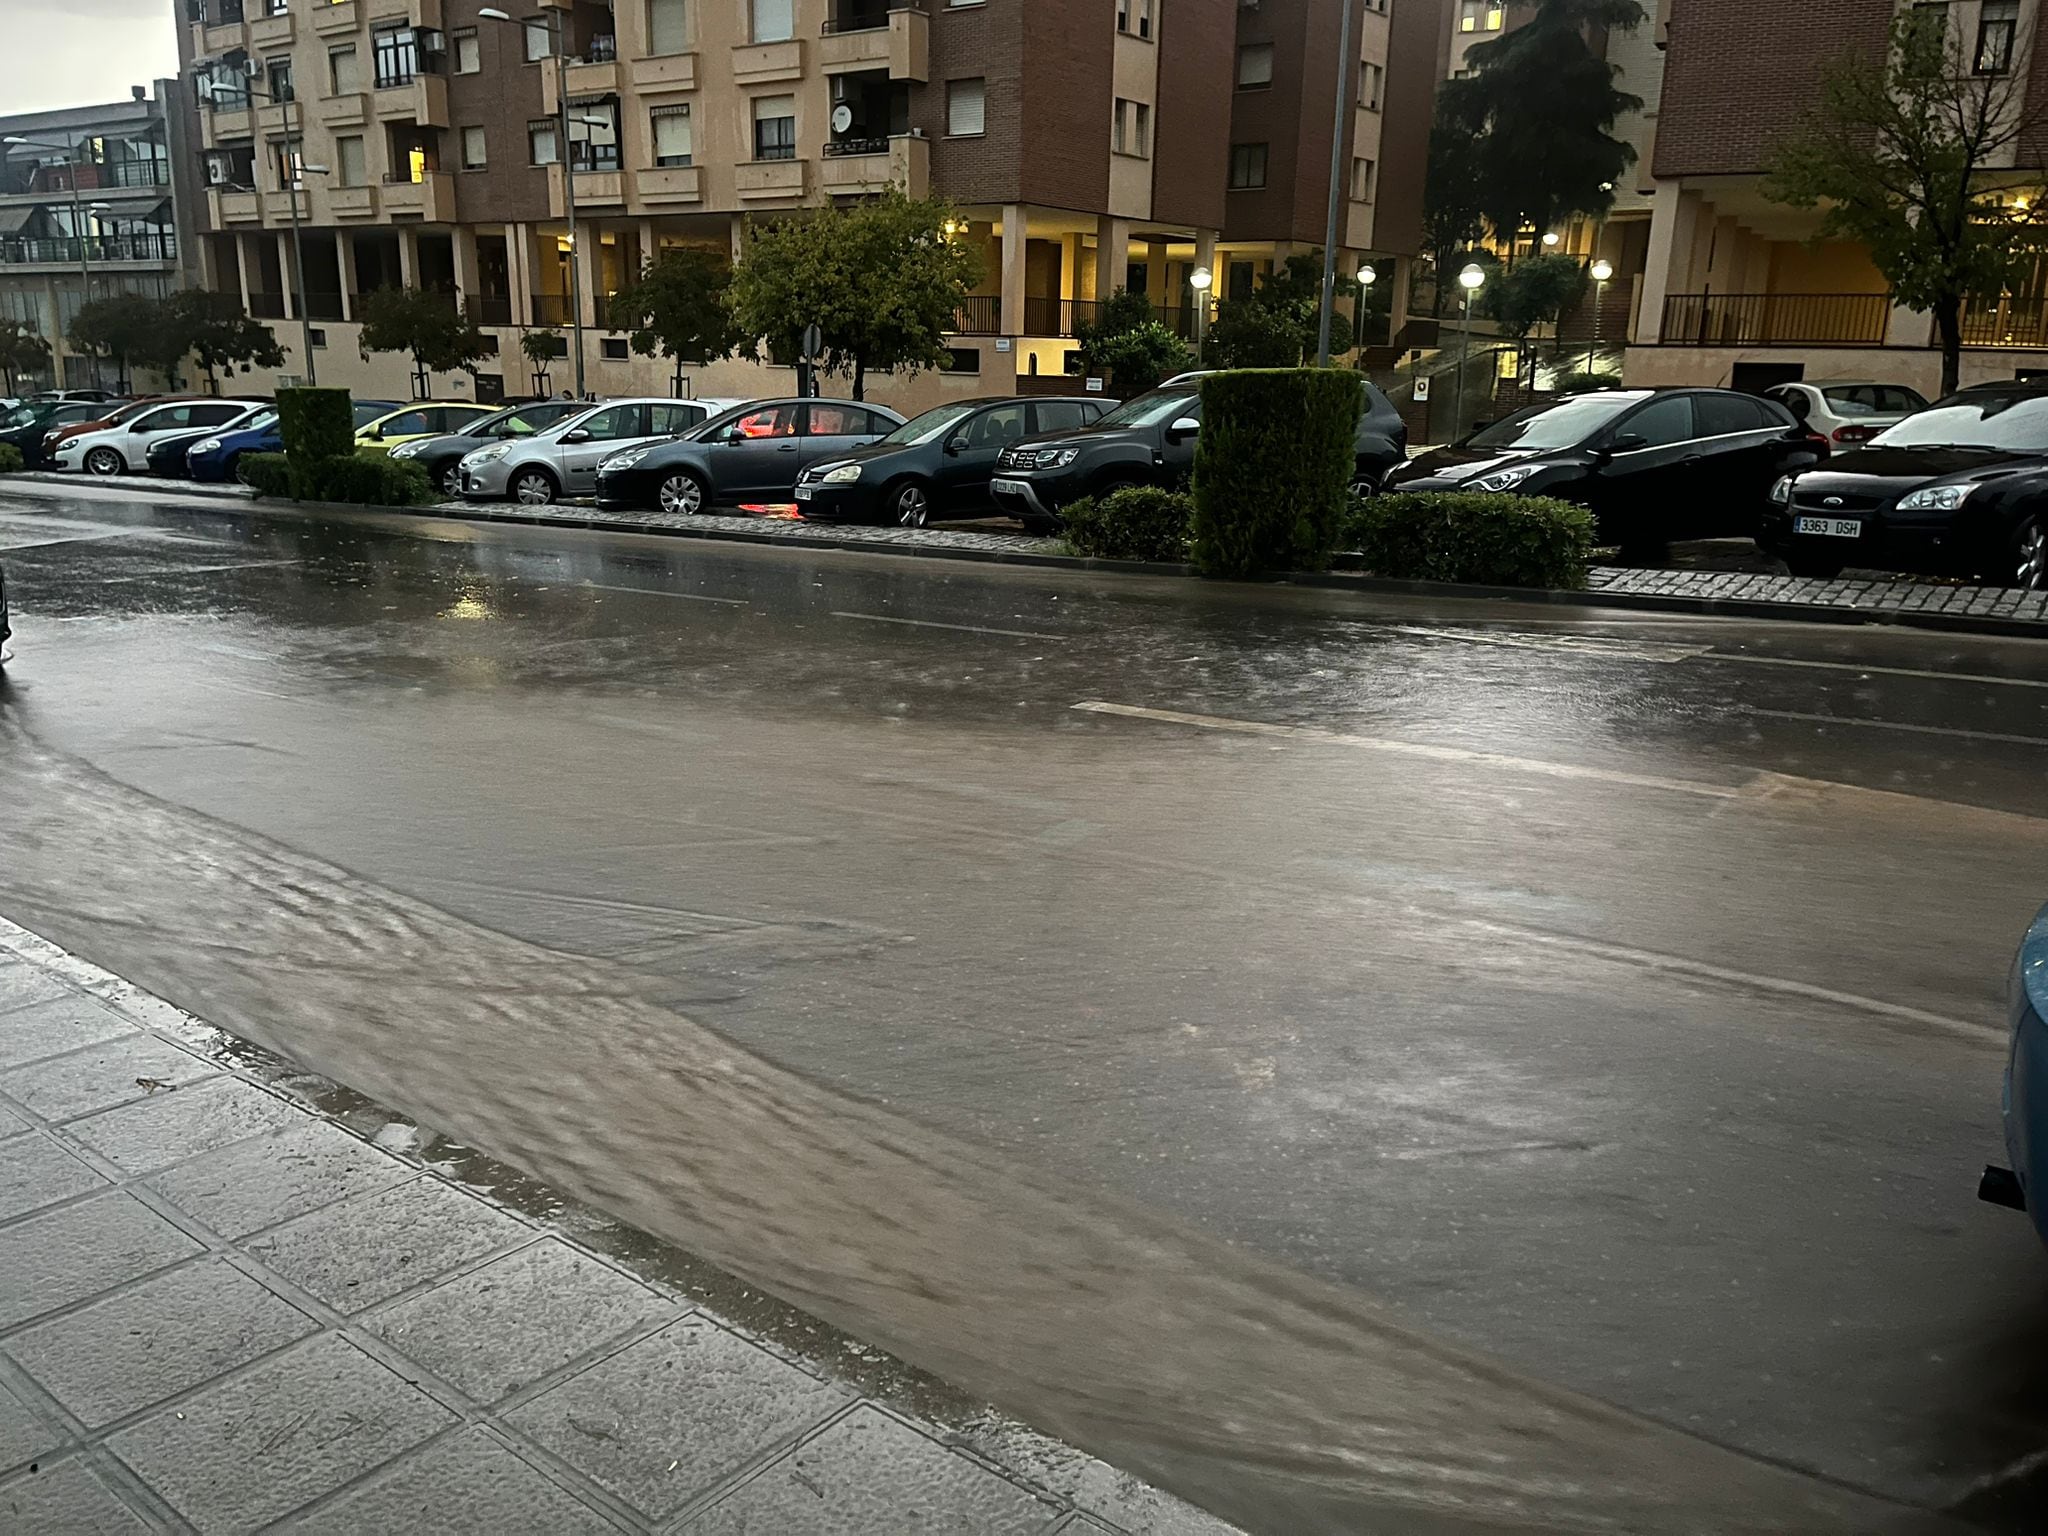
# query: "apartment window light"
966 107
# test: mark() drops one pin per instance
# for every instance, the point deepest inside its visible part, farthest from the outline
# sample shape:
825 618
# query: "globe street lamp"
1603 269
1472 279
1201 280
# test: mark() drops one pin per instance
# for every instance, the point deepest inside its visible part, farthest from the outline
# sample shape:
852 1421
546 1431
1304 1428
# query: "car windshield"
1559 424
1854 400
367 411
267 417
1149 410
922 429
520 420
1981 419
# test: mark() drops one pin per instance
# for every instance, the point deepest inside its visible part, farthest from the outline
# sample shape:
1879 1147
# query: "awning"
14 220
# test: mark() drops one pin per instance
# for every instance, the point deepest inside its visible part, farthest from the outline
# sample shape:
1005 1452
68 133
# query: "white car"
562 460
1847 412
124 449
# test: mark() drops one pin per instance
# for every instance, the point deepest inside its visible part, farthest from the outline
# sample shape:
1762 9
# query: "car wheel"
1819 567
683 495
451 481
533 488
105 461
2030 555
1111 487
910 506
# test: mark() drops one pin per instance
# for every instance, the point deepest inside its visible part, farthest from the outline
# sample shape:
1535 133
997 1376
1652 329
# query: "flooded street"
1347 1060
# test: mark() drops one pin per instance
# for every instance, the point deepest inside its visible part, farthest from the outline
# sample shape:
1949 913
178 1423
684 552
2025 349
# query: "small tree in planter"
440 336
678 309
542 348
1126 341
214 328
22 352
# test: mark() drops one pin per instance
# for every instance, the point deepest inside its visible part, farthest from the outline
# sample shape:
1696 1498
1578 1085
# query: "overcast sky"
76 53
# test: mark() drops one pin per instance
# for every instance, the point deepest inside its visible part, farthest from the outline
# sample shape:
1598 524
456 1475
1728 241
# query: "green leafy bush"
268 474
1273 468
1140 522
364 480
316 423
10 459
1466 536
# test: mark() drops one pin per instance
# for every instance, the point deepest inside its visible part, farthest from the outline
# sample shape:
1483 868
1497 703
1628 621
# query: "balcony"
233 205
767 63
149 248
491 308
111 176
868 165
2008 323
763 179
352 202
335 20
865 37
220 37
277 207
669 72
1775 319
272 31
422 99
586 79
421 13
221 124
981 315
594 189
550 309
350 111
669 184
431 198
265 306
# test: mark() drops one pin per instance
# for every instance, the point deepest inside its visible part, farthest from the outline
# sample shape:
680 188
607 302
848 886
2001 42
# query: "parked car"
441 457
751 453
2024 1101
31 421
1652 465
367 411
1847 413
563 459
422 418
112 414
121 450
89 396
1958 489
218 455
936 465
170 456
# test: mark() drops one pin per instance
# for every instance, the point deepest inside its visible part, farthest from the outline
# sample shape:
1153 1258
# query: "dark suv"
1151 441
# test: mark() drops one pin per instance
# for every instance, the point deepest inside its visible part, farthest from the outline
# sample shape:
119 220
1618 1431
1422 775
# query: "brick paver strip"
221 1311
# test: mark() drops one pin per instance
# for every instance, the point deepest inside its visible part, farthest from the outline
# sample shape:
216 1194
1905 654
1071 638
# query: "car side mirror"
1627 442
1186 426
956 445
576 435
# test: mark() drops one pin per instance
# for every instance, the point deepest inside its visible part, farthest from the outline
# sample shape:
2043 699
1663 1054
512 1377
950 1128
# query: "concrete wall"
1917 367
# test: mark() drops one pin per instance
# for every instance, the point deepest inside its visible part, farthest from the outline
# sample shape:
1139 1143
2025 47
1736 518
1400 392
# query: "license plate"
803 493
1015 487
1830 527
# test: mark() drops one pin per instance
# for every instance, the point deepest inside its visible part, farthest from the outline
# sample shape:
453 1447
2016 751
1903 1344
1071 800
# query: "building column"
345 265
1905 327
468 281
1402 276
519 271
589 268
739 238
287 275
408 256
1112 254
650 246
1674 219
1015 239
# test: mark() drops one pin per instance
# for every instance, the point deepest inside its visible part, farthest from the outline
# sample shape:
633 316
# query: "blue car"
2026 1086
214 458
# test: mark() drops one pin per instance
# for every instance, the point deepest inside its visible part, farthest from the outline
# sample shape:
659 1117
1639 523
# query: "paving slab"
24 1434
76 1251
370 1249
102 1075
68 1499
36 1172
266 1180
169 1127
61 1023
460 1485
11 1124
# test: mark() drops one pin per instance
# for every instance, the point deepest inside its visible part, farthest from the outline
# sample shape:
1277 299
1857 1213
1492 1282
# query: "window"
966 104
395 56
473 149
1247 166
1059 416
1371 77
770 421
994 428
540 142
774 21
318 337
231 82
540 41
1362 176
1997 25
280 71
341 64
1662 422
668 419
469 58
1134 16
1254 66
406 424
613 348
349 164
1725 415
668 26
672 143
1131 130
775 128
1480 15
596 147
290 163
963 359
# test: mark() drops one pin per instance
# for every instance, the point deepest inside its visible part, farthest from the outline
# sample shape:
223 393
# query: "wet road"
1273 992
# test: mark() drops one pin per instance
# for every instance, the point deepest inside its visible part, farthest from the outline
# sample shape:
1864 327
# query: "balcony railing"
323 306
1775 319
1068 317
550 309
866 15
491 308
266 306
2008 323
90 178
840 148
64 248
981 315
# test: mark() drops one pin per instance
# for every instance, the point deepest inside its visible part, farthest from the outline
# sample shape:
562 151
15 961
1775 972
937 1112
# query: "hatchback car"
29 423
753 453
1652 465
1847 413
112 414
936 465
1959 489
2024 1100
123 449
169 455
441 457
562 459
422 418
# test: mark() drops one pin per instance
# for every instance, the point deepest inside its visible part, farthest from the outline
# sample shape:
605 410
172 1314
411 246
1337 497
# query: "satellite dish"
842 118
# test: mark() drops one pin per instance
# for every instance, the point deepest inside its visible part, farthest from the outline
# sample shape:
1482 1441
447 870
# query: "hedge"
10 459
1140 522
1273 468
365 480
316 423
1466 536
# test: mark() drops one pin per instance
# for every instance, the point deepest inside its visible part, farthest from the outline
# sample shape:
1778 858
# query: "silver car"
561 460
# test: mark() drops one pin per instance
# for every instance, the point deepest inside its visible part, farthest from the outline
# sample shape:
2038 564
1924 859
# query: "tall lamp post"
1603 269
1368 274
558 44
78 213
1472 279
1201 280
1343 109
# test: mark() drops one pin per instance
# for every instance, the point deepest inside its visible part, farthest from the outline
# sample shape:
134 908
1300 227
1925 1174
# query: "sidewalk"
221 1310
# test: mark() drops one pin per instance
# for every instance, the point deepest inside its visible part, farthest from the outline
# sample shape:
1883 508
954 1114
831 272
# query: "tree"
1541 107
1535 291
1277 325
128 327
881 280
1127 341
677 308
215 329
22 351
1452 217
542 348
440 336
1896 154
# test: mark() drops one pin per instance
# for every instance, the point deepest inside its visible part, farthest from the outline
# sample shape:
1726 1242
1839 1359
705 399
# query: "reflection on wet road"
1619 997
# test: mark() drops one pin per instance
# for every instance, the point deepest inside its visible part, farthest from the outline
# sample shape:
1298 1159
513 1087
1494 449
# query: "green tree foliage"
1277 324
1452 217
127 327
22 351
1127 342
1541 107
1895 155
677 309
1273 468
1537 290
440 336
213 328
882 281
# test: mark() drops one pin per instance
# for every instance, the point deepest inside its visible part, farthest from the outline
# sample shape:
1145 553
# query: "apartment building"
1737 289
91 204
1089 145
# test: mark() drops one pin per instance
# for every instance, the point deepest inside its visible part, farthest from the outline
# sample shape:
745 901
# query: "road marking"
1575 645
1850 666
1899 725
1422 749
688 597
970 629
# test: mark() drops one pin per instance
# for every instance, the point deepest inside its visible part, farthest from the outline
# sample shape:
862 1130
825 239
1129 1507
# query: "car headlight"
206 447
1055 458
487 455
623 461
844 474
408 450
1781 491
1936 498
1505 479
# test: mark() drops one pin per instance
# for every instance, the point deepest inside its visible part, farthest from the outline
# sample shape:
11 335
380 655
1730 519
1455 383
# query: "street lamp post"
1368 274
78 212
1472 279
1338 117
1201 280
558 43
1603 269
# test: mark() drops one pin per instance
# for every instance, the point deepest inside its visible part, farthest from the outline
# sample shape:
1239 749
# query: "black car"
937 465
1959 489
1151 441
751 453
1652 465
5 654
25 426
441 457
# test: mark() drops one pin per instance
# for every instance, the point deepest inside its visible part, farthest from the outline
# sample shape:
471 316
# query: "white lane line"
969 629
1850 666
1980 1030
1898 725
688 597
1422 749
1606 646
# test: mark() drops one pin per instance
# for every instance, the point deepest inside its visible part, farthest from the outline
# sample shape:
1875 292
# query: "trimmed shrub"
10 459
268 474
1139 522
1273 468
1467 536
316 423
365 480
